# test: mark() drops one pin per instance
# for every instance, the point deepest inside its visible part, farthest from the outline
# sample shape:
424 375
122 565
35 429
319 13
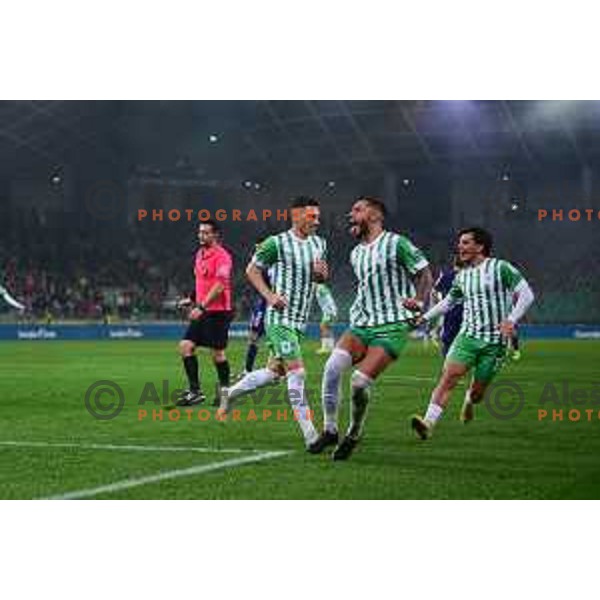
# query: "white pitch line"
127 448
411 377
165 475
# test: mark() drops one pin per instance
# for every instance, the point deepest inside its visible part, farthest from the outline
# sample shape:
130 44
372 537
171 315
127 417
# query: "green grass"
42 388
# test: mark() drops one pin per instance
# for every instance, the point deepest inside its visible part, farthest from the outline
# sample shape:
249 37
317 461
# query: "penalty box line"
167 475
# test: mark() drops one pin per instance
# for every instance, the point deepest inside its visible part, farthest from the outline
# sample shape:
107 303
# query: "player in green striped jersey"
486 287
393 279
295 259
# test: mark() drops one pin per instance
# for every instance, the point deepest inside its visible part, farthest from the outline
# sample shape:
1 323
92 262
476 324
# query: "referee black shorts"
211 331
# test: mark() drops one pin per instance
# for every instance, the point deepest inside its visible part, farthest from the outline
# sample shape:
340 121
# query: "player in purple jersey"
256 326
256 330
452 320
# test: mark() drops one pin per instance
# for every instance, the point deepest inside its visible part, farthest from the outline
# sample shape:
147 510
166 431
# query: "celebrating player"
485 286
328 316
210 314
385 265
295 259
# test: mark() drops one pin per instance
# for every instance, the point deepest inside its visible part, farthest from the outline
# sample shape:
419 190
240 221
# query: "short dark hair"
214 225
302 201
374 202
481 236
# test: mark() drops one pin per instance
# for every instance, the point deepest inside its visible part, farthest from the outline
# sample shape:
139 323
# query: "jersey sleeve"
324 249
442 284
510 276
322 290
456 292
267 252
409 255
224 267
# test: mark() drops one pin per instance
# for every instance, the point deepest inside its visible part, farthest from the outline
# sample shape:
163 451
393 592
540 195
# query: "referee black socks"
191 370
223 373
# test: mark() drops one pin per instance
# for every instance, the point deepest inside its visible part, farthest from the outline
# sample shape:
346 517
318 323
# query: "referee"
210 313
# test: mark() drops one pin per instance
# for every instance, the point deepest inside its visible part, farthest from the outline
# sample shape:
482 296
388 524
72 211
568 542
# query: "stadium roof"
323 139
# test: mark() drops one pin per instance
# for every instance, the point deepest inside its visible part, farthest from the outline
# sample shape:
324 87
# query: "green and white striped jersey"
383 269
325 299
486 292
290 263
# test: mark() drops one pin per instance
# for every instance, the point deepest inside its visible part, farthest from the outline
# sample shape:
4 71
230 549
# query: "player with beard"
393 281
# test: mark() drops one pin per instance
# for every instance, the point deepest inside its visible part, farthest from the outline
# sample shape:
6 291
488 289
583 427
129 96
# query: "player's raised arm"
454 297
441 308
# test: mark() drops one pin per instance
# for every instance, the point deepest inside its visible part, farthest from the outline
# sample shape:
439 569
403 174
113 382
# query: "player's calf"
297 397
473 396
339 362
423 426
248 383
361 385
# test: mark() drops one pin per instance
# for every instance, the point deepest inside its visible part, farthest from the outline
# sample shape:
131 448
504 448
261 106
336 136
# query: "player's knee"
219 356
339 360
450 380
476 392
186 348
297 373
360 381
277 366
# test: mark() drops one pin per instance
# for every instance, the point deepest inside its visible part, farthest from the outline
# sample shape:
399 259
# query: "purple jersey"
453 318
259 308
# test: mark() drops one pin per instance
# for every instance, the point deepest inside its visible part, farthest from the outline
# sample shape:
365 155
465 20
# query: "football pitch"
52 447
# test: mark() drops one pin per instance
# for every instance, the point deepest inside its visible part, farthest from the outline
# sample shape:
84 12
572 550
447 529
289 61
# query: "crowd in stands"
62 266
